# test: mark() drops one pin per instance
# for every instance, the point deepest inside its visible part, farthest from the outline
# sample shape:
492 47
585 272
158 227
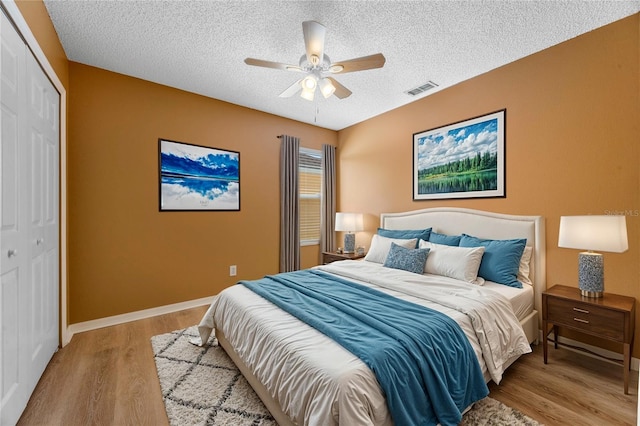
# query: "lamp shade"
350 222
599 233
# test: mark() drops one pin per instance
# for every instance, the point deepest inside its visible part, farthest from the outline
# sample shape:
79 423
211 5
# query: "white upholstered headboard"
482 224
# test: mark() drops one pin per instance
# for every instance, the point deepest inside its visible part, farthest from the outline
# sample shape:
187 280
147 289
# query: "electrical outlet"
233 270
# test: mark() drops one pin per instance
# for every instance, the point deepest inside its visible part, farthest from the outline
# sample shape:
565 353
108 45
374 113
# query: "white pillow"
524 270
461 263
380 247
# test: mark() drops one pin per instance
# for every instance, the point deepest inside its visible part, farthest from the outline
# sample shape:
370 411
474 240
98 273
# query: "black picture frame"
465 159
197 178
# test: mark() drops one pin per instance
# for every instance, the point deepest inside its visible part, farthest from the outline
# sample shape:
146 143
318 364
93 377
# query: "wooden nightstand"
331 256
610 317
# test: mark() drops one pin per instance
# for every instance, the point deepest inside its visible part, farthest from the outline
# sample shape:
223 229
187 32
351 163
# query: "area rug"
202 386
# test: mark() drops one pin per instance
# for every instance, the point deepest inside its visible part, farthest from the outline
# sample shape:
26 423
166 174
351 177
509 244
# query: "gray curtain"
289 206
328 200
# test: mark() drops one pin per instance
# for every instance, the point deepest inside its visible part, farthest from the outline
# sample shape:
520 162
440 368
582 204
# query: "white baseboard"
635 362
133 316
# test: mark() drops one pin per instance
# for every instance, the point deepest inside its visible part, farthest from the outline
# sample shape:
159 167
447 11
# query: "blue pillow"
411 260
447 240
501 259
406 234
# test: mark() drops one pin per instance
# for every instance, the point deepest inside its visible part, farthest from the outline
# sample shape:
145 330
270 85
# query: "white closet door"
13 237
29 277
42 118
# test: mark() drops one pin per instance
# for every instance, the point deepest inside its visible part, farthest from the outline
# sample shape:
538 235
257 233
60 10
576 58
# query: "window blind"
310 189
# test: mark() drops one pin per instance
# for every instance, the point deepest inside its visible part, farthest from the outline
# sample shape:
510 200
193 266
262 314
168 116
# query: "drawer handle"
581 320
582 311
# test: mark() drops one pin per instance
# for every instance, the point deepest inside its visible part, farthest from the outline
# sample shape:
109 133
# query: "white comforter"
315 380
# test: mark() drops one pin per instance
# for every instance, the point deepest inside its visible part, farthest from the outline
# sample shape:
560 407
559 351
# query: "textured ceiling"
200 46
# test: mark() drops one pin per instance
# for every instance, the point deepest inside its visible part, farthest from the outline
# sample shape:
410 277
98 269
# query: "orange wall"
125 255
572 145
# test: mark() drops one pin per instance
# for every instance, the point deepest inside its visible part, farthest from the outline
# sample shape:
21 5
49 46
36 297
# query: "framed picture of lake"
198 178
460 160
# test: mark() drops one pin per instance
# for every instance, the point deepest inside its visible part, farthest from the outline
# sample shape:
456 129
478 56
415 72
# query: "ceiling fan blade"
291 90
341 91
359 64
314 33
270 64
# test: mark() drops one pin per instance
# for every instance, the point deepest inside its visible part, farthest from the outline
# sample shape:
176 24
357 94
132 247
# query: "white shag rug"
202 386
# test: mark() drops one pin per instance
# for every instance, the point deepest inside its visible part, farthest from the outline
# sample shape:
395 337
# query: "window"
310 187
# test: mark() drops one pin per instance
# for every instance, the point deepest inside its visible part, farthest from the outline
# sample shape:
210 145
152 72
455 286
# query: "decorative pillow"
380 247
405 234
501 259
407 259
524 269
461 263
447 240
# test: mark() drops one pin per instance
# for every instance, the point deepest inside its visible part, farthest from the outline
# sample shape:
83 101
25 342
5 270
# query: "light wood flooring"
108 377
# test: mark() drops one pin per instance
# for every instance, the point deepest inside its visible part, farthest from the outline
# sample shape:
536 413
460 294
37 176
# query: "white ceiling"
200 46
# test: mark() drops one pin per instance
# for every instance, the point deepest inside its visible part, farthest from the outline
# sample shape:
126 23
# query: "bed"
305 377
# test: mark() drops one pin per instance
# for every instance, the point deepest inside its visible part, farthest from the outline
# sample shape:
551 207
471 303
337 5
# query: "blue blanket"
429 373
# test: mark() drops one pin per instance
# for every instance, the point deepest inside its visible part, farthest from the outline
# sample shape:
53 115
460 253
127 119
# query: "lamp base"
591 274
593 294
349 243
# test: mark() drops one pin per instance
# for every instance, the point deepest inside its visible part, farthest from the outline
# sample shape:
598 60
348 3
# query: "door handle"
12 253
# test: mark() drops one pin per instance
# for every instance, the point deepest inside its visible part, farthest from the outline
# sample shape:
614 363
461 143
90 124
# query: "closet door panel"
43 145
13 152
14 265
36 181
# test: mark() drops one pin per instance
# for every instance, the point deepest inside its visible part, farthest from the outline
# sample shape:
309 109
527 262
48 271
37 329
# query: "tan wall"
124 254
572 145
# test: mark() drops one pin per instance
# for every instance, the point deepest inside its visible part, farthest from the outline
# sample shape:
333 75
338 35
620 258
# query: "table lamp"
602 233
349 222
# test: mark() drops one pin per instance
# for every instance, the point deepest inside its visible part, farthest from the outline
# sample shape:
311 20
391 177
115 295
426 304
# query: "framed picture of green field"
461 160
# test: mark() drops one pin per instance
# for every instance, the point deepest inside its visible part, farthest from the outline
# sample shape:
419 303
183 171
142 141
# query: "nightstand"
331 256
610 317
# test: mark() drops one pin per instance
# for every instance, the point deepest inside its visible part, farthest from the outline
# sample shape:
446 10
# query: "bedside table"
610 317
331 256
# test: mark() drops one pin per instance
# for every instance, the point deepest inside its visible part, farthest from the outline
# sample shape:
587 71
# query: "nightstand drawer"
329 258
586 317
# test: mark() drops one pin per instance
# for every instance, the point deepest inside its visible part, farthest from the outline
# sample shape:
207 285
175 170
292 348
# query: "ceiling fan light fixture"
334 69
309 83
307 94
326 87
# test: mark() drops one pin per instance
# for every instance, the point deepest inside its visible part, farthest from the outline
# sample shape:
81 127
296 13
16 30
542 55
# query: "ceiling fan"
318 67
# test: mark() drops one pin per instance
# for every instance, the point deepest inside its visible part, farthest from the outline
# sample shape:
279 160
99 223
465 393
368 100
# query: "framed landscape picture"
194 177
460 160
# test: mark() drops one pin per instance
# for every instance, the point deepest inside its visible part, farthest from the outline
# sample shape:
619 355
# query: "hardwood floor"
108 377
572 389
